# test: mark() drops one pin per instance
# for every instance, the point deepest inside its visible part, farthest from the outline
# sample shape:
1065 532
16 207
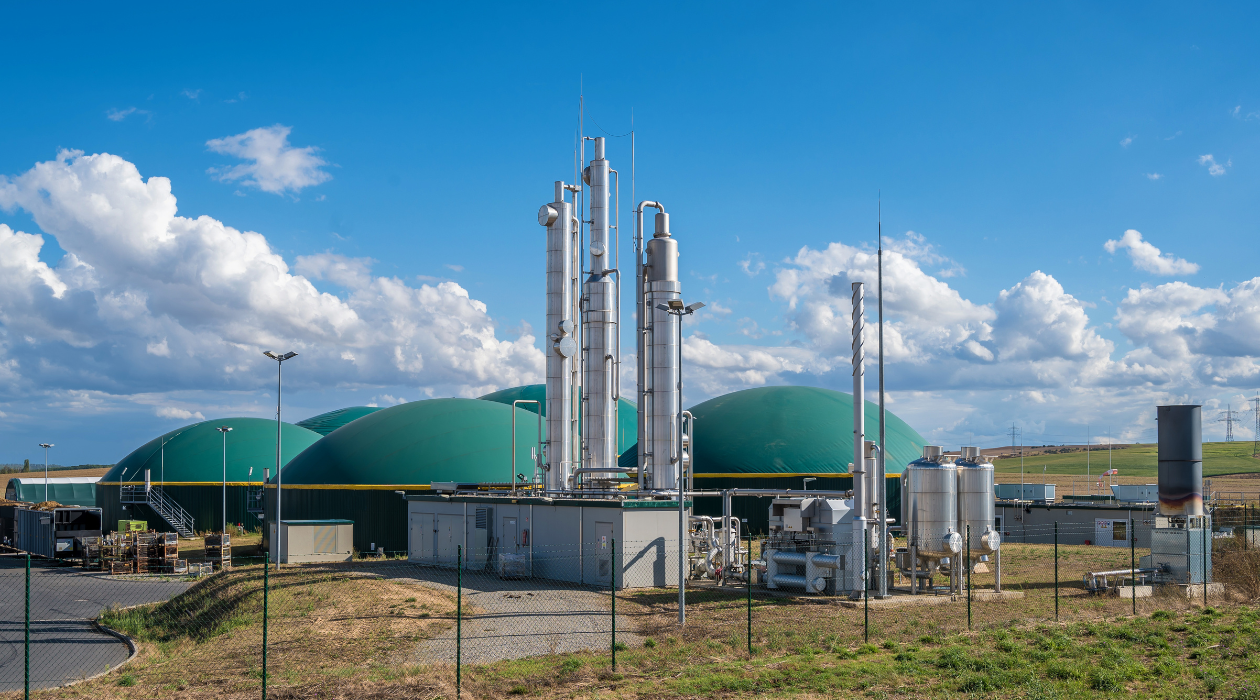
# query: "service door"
1111 533
603 551
450 535
420 544
510 541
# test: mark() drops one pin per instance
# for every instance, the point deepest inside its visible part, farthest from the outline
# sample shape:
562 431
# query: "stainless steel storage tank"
975 502
929 505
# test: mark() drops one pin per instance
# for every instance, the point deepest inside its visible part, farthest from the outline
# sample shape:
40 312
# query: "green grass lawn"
1219 458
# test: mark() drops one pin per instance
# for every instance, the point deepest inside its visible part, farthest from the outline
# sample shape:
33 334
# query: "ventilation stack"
561 343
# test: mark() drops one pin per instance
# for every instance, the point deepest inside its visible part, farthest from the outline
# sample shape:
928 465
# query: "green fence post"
866 599
748 574
27 643
1133 564
614 604
967 563
1056 571
1203 522
266 595
459 617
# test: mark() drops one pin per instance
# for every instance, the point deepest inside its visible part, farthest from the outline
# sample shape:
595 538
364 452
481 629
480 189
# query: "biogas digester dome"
355 472
325 423
774 437
627 415
189 469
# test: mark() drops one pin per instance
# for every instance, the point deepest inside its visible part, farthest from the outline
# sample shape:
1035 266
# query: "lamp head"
675 305
46 445
224 429
694 307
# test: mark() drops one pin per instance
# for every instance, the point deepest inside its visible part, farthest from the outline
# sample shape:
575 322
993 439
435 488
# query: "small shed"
66 490
311 541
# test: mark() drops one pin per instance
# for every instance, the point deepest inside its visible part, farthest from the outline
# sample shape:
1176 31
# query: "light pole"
46 445
675 307
224 430
275 546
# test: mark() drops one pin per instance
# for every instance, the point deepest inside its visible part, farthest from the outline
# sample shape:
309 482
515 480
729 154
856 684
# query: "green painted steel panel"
627 413
380 516
195 453
325 423
205 503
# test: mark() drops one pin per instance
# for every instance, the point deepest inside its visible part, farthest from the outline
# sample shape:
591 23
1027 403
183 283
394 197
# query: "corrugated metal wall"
204 502
379 515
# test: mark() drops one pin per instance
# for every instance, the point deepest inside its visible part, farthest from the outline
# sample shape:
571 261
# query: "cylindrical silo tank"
929 504
1180 460
975 502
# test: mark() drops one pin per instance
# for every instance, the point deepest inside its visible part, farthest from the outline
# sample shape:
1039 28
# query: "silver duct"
656 282
599 328
560 341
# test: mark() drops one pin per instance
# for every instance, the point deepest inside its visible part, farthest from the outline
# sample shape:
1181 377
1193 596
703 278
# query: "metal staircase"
165 506
254 501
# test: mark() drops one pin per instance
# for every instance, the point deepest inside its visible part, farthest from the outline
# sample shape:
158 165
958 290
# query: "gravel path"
516 619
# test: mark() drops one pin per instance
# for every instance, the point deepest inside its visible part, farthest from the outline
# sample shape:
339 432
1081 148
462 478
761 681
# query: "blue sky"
420 143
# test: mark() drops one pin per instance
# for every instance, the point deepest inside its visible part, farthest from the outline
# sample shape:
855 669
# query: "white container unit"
558 539
316 541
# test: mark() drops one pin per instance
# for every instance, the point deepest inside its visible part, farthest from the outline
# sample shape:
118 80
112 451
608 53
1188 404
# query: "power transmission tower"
1229 418
1255 435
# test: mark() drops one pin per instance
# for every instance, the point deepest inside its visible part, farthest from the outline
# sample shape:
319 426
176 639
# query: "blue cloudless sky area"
1014 138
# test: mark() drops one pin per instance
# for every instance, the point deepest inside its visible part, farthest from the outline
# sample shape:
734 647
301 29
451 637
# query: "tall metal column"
599 328
860 498
561 346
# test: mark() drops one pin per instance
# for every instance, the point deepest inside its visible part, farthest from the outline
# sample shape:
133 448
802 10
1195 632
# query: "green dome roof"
325 423
791 430
417 443
627 414
194 453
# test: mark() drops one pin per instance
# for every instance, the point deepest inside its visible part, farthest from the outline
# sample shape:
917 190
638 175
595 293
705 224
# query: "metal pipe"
860 498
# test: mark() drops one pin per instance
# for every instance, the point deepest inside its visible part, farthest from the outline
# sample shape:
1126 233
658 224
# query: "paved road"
64 645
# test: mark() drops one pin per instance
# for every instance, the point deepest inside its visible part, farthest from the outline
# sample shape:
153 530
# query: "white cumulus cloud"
1215 169
275 166
146 300
1148 258
178 413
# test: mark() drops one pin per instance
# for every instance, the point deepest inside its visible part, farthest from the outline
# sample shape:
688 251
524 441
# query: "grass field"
1140 460
346 634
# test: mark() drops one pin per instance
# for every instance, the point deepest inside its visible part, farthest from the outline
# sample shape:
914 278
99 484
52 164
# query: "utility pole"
1255 435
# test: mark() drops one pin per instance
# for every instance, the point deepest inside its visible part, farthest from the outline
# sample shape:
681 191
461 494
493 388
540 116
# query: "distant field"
1218 458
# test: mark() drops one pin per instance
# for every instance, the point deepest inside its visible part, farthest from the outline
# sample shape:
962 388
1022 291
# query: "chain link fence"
260 630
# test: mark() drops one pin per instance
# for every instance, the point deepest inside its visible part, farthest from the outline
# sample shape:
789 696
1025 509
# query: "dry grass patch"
329 627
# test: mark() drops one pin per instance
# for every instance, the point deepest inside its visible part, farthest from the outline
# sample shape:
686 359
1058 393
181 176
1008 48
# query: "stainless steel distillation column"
599 328
860 483
643 349
561 346
661 286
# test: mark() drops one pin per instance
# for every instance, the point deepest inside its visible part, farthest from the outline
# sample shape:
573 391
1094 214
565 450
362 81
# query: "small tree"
26 465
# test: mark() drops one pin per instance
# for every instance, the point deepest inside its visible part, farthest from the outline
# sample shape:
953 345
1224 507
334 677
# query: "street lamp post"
279 358
675 307
46 445
224 430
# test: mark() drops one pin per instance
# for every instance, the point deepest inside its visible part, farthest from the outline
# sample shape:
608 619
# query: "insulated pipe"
860 497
